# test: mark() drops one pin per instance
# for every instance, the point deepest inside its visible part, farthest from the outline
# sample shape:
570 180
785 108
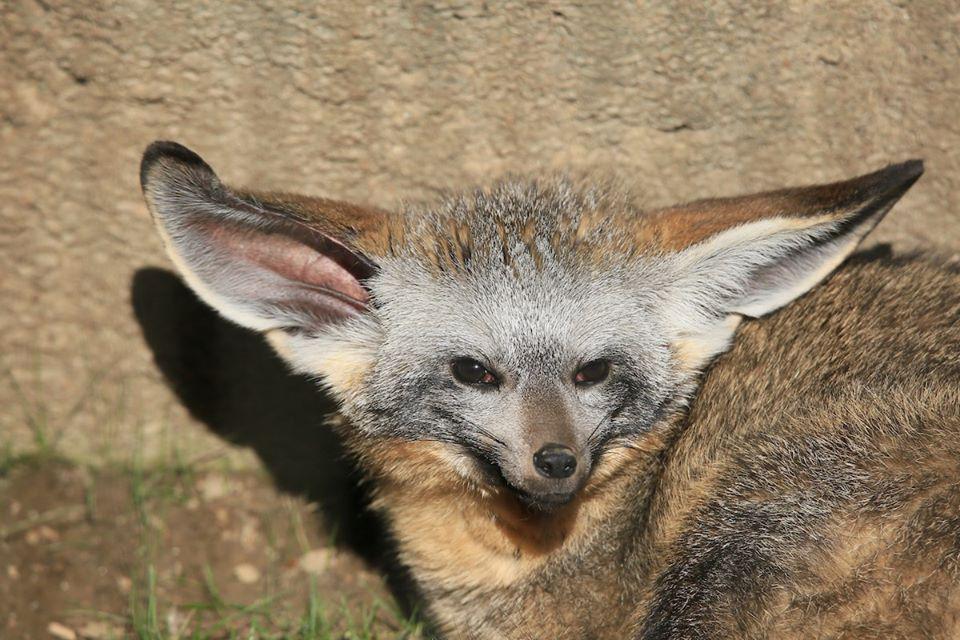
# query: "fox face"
528 372
526 330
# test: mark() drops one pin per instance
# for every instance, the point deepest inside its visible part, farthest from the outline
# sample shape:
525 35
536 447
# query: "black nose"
555 461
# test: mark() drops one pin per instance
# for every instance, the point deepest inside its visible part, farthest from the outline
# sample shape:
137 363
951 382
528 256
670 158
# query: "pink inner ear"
304 264
294 261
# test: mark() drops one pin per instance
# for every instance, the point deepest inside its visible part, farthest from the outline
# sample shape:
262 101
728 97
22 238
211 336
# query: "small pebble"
246 573
99 630
60 631
316 561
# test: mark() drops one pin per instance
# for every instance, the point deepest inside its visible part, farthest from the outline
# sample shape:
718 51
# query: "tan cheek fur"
457 535
342 367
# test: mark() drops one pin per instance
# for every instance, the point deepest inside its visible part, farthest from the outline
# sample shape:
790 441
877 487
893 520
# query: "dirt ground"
187 551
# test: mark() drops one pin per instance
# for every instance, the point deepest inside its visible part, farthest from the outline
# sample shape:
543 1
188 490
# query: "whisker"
487 434
588 444
472 436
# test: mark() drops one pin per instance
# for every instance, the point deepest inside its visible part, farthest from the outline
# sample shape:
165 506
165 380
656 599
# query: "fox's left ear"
750 255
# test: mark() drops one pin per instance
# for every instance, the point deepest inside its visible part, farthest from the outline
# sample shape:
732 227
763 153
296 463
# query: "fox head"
525 331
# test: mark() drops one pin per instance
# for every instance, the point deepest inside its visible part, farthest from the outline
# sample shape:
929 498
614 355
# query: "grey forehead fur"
516 302
516 299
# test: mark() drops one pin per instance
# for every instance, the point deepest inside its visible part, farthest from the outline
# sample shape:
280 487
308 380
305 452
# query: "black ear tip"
912 169
904 174
891 182
171 153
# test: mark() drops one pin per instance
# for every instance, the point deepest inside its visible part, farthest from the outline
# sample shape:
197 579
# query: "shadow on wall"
230 379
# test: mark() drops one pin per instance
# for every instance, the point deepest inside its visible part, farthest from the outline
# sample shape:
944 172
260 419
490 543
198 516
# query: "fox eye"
469 371
591 373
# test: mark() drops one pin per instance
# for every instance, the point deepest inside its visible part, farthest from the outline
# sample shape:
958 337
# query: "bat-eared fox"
583 419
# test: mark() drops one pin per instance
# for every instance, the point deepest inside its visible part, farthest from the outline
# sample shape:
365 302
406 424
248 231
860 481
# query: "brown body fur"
812 491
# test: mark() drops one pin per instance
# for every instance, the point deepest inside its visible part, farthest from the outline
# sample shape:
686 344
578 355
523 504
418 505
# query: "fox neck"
462 539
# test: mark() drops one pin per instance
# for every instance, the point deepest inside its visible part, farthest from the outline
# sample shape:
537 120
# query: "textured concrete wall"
392 101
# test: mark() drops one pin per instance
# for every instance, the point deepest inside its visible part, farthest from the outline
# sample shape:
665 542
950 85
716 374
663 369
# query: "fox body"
521 374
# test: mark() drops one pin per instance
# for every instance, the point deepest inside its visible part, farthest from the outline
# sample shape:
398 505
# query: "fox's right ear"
264 262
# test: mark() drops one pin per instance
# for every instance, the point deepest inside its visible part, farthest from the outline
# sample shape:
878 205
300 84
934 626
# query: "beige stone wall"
391 101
